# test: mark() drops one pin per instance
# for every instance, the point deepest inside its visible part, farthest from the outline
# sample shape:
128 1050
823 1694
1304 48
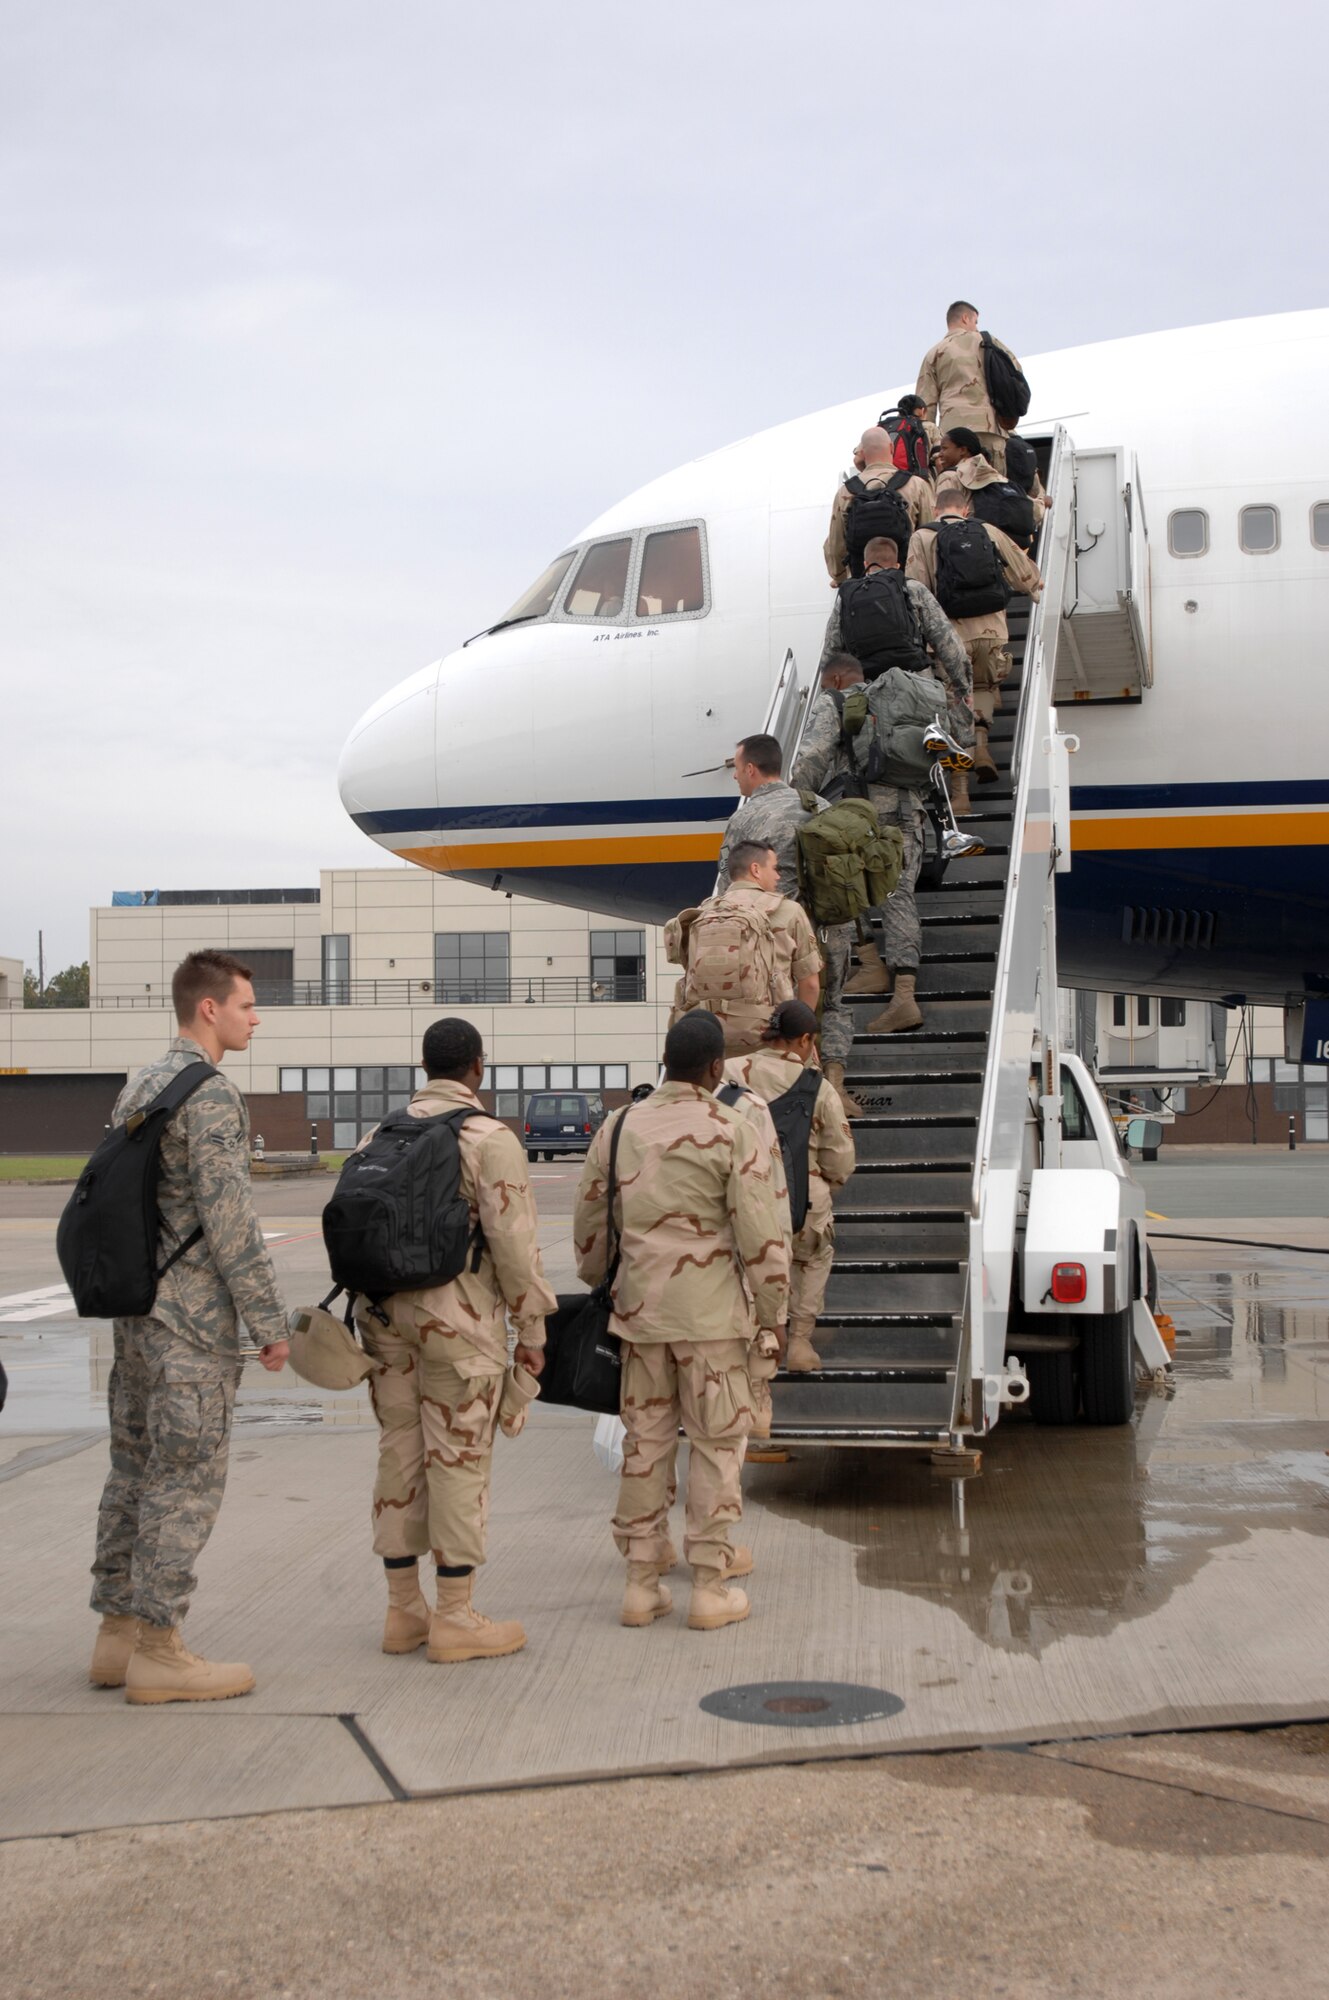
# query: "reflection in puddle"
1073 1532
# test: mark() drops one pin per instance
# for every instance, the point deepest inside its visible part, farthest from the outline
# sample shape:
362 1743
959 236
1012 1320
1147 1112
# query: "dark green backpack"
901 705
847 861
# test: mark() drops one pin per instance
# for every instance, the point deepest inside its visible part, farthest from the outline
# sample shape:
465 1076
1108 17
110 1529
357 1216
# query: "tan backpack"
731 958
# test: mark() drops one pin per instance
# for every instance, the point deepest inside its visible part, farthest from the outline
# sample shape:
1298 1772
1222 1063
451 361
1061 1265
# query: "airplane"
653 641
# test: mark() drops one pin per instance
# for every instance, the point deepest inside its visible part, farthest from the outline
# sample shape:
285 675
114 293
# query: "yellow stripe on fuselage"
1248 829
585 853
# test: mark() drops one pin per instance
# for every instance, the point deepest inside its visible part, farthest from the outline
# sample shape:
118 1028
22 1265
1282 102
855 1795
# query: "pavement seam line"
1050 1755
351 1725
40 1455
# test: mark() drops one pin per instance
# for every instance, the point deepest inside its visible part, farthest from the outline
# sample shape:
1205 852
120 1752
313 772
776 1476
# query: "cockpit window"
671 574
537 602
600 585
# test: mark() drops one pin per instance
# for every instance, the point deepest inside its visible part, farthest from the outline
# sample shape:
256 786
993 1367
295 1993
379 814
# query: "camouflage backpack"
900 707
731 958
847 861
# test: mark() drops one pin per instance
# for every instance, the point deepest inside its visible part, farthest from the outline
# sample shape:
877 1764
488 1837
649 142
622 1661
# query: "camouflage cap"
325 1352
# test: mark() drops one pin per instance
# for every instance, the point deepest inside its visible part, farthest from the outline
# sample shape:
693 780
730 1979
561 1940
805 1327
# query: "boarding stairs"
912 1336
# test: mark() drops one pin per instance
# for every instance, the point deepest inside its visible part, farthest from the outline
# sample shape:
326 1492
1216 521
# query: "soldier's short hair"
204 975
952 496
451 1047
878 548
744 852
842 663
791 1020
955 313
765 753
694 1042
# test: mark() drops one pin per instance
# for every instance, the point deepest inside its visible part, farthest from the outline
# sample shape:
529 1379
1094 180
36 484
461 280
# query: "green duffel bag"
848 862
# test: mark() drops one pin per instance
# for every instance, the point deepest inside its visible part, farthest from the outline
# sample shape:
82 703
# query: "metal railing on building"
557 990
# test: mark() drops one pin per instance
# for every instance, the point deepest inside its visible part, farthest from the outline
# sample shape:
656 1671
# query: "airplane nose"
388 760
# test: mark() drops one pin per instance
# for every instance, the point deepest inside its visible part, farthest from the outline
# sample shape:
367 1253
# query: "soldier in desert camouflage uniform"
724 972
444 1354
875 464
775 1068
175 1373
953 386
697 1207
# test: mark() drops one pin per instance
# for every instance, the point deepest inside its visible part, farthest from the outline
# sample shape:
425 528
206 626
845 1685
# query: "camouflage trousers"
436 1440
810 1264
897 919
991 664
837 1023
705 1386
170 1409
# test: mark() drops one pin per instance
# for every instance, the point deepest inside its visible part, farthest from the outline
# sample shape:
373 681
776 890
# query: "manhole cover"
802 1704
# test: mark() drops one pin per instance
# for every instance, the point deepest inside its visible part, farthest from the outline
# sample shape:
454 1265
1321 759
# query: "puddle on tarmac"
1071 1532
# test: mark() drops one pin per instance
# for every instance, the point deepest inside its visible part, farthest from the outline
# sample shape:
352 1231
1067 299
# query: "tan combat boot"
961 806
669 1560
903 1011
406 1626
985 771
645 1598
802 1358
714 1603
835 1077
116 1639
872 976
738 1562
458 1632
162 1668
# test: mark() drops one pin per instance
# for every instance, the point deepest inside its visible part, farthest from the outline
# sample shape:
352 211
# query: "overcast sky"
325 324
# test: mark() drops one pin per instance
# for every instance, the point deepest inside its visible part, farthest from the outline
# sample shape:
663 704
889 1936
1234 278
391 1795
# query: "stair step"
972 869
937 1292
887 1095
970 1012
860 1241
813 1405
949 1147
953 980
848 1346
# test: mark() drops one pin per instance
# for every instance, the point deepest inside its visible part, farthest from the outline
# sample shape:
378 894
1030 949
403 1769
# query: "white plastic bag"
607 1442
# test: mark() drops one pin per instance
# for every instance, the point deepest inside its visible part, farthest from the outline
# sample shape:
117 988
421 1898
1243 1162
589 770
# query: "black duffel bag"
583 1359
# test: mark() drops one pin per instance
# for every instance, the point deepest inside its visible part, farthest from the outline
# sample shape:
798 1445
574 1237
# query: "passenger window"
1320 524
1188 532
601 579
537 602
1075 1123
671 574
1258 530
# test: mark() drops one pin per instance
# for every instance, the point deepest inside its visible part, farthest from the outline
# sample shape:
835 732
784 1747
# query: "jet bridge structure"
929 1326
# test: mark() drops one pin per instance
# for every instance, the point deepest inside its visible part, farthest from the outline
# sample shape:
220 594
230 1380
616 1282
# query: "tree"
69 988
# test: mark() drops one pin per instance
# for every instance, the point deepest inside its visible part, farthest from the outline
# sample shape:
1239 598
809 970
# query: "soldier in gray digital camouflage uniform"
174 1378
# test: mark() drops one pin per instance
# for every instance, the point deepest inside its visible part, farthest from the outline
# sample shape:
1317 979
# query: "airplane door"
787 714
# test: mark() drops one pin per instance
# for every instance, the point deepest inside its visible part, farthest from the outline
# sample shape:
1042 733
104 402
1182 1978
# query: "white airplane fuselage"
548 758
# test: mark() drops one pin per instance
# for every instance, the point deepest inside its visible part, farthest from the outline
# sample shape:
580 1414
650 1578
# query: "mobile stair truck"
991 1248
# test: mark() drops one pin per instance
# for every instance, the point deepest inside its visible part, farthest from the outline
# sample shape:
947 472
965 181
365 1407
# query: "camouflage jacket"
770 1072
495 1179
823 754
698 1214
937 630
952 384
916 494
772 814
205 1182
1021 574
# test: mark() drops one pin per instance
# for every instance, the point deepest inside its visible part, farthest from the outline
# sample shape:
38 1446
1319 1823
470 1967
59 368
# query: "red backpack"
910 440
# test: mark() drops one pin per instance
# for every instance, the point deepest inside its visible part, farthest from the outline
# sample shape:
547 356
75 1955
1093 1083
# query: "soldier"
854 626
826 765
995 498
769 811
444 1354
974 578
745 950
953 385
874 456
175 1373
827 1158
697 1208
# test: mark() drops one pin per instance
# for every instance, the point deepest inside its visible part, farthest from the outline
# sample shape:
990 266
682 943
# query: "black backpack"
970 578
878 624
1021 462
398 1221
108 1236
875 510
1007 508
1008 391
791 1115
917 444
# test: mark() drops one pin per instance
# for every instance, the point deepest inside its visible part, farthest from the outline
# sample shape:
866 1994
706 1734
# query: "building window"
336 970
273 973
1320 525
672 583
471 967
1142 1010
1172 1013
600 585
292 1079
618 965
1119 1010
1188 532
1257 530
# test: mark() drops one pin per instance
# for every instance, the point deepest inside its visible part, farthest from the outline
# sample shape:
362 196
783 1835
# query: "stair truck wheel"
1107 1367
1151 1283
1054 1386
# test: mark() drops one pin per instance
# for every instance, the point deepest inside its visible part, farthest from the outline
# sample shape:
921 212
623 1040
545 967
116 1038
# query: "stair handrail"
1024 987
